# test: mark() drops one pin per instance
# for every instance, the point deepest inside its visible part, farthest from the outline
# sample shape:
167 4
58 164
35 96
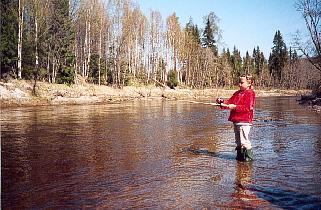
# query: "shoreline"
18 93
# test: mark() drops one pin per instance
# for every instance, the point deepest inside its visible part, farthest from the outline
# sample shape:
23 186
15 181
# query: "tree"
225 69
173 38
260 67
248 64
20 33
8 37
278 57
61 41
211 33
236 63
190 55
258 64
311 48
193 31
154 43
139 32
293 55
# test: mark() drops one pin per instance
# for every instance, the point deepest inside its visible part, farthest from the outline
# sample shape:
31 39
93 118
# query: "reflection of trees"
280 118
54 148
318 145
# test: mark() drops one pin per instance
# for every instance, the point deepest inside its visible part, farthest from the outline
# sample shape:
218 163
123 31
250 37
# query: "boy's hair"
250 79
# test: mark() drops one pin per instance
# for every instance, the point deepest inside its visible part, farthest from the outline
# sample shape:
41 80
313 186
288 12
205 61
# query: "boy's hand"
219 100
222 105
231 106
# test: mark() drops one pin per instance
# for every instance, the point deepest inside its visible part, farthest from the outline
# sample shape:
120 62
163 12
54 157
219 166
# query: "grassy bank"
23 93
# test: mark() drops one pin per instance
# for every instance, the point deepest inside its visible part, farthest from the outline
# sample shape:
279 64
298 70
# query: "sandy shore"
19 93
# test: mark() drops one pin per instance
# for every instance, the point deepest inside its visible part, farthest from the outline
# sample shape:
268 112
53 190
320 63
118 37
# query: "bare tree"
174 35
139 37
311 48
154 43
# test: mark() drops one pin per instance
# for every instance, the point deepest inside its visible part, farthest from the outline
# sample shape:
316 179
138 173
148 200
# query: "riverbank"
21 93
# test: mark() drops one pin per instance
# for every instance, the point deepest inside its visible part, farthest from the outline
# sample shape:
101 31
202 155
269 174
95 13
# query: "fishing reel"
219 100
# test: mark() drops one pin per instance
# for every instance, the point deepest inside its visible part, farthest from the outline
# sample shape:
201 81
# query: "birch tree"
155 40
173 36
40 15
139 40
20 34
116 38
190 52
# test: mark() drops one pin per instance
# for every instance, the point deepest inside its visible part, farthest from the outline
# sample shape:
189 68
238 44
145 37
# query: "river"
158 154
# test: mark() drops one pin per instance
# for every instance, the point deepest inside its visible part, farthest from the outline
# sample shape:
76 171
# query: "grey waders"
243 154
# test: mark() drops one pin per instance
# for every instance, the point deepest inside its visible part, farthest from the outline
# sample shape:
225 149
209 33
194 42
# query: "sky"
244 23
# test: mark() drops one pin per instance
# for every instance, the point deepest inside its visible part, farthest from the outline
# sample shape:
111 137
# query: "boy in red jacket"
241 105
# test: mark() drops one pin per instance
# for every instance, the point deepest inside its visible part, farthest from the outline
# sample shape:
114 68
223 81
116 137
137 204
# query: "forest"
113 43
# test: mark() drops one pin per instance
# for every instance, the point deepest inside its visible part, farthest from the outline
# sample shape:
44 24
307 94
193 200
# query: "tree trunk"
36 42
135 57
37 58
20 29
100 46
48 68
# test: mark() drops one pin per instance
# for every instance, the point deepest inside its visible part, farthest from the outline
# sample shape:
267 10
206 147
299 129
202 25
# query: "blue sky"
244 23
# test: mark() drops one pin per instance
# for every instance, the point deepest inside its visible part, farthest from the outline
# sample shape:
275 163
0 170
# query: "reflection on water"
158 154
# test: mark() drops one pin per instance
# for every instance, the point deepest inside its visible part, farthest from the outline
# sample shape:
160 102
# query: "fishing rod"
208 103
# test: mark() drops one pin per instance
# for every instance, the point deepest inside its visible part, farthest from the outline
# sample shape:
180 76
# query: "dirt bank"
20 93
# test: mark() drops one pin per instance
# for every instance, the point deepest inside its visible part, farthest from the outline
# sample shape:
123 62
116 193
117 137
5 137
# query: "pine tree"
208 37
193 31
211 30
61 41
228 54
8 37
236 63
247 64
278 57
258 60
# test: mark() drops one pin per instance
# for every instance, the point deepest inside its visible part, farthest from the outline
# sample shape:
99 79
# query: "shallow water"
158 155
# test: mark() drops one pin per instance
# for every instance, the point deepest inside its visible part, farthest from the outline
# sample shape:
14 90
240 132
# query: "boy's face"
243 83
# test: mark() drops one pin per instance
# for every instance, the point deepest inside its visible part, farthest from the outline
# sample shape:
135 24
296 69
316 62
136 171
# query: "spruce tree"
193 31
196 34
208 37
258 60
278 57
247 64
8 36
61 41
211 30
236 63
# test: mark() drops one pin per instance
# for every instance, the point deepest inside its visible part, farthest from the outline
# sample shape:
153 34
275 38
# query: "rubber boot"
249 154
240 153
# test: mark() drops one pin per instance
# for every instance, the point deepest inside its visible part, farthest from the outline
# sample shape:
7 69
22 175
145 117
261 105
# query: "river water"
158 155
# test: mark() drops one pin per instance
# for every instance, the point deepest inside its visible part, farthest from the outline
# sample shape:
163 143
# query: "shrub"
172 80
66 75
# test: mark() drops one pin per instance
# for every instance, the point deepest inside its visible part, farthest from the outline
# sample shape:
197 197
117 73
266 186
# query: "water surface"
158 155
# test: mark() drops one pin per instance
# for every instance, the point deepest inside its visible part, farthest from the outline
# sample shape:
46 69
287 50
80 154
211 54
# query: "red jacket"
244 101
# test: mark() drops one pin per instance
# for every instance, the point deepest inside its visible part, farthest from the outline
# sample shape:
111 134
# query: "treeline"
113 43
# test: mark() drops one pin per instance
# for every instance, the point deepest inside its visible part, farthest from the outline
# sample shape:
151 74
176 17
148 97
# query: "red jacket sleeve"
230 100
